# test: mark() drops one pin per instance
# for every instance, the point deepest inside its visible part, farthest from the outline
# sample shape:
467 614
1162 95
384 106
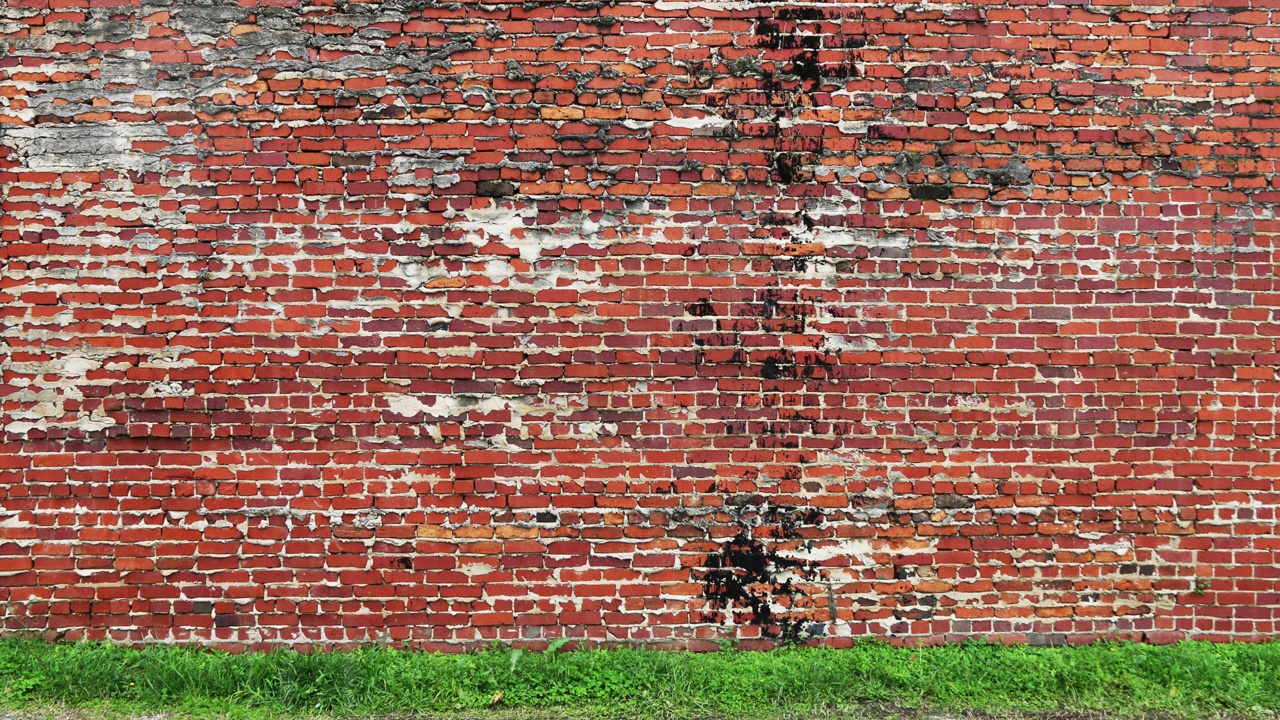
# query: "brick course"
447 322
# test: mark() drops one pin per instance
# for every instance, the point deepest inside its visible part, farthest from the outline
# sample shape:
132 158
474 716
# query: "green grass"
1131 680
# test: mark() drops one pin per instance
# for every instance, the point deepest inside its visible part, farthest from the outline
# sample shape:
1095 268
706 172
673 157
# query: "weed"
1189 679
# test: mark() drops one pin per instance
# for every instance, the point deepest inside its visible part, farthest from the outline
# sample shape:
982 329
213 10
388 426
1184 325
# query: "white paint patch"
47 386
1119 547
405 170
500 224
594 429
413 273
369 520
94 421
541 408
476 568
498 271
534 242
708 4
858 550
442 406
513 226
853 127
74 366
842 457
161 388
713 122
845 343
826 215
132 214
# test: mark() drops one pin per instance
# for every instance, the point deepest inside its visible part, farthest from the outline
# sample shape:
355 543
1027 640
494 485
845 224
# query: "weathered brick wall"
652 321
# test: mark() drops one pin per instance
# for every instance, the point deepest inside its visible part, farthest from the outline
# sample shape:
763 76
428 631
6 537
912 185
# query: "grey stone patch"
101 27
206 23
379 59
1018 171
951 501
1051 639
492 188
931 192
445 168
76 147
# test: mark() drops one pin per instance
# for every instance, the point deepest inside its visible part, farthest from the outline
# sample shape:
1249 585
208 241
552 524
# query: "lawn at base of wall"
871 679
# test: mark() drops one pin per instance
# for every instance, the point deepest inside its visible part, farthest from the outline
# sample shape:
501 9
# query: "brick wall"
651 321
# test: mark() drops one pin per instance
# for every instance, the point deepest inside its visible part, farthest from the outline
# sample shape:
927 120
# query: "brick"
338 354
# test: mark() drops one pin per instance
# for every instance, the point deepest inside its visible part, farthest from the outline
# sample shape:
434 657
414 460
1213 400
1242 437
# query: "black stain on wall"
757 583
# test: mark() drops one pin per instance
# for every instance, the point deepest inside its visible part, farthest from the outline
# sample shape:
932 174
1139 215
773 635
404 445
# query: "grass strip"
1189 679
